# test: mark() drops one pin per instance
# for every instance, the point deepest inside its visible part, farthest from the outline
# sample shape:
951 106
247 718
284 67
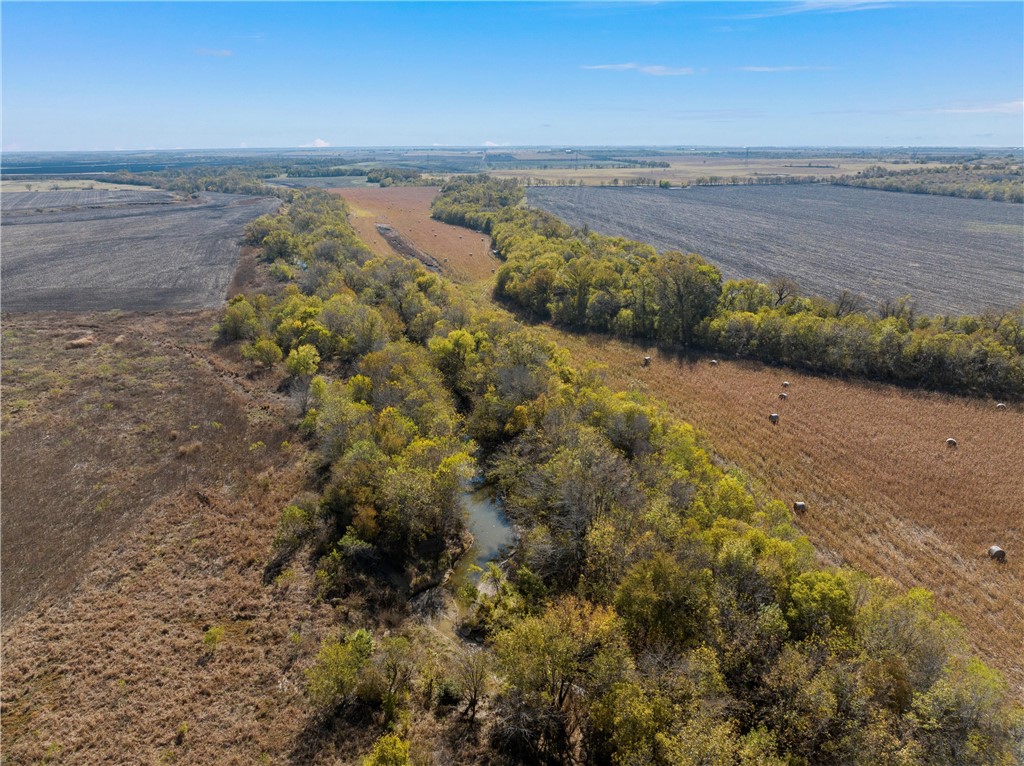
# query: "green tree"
332 679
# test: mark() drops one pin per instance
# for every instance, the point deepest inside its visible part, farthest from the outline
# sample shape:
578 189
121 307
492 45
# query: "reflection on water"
492 535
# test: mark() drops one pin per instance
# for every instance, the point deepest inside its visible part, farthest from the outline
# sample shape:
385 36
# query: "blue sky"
81 76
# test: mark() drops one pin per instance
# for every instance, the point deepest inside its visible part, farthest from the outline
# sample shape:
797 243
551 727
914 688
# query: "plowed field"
950 255
124 256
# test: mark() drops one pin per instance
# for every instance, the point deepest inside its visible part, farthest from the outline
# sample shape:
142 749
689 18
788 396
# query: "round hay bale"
951 443
997 554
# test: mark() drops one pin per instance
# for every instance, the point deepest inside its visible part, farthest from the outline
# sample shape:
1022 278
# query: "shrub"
335 673
263 352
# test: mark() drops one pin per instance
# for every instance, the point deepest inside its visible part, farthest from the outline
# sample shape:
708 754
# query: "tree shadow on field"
344 734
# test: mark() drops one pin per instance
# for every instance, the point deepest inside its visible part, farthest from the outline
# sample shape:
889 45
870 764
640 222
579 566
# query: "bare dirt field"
883 491
56 184
142 257
951 255
464 255
76 199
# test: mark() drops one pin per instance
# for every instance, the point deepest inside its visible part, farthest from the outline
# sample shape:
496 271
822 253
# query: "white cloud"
492 144
782 68
220 54
657 70
316 143
243 145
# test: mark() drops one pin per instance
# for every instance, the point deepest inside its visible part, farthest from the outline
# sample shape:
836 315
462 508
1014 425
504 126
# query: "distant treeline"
251 179
655 611
583 280
1003 182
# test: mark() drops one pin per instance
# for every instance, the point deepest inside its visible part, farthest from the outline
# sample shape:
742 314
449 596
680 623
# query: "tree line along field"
950 255
125 256
883 491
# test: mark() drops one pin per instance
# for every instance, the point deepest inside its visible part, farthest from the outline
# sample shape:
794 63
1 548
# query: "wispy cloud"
215 53
492 144
1004 107
656 70
819 6
782 68
316 143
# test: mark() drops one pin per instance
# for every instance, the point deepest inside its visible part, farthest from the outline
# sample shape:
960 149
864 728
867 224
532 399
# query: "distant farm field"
72 199
93 250
950 255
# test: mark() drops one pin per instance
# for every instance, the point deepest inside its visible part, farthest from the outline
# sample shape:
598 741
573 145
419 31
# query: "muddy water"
492 534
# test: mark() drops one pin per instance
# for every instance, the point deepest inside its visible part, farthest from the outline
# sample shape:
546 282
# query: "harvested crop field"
464 255
956 256
883 491
123 256
81 198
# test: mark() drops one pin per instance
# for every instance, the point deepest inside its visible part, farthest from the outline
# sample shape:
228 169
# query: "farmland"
883 491
125 256
683 167
951 255
63 184
464 255
30 201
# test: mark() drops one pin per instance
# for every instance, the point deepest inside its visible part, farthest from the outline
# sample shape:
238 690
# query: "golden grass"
883 491
464 255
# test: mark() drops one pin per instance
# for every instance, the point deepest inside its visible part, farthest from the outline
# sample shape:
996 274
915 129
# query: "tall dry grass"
883 491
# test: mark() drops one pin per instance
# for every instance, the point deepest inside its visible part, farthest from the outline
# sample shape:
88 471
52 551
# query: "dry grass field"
884 493
463 254
144 473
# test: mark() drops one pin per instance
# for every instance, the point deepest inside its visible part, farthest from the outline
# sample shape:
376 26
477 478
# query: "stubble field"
463 254
122 256
950 255
884 493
